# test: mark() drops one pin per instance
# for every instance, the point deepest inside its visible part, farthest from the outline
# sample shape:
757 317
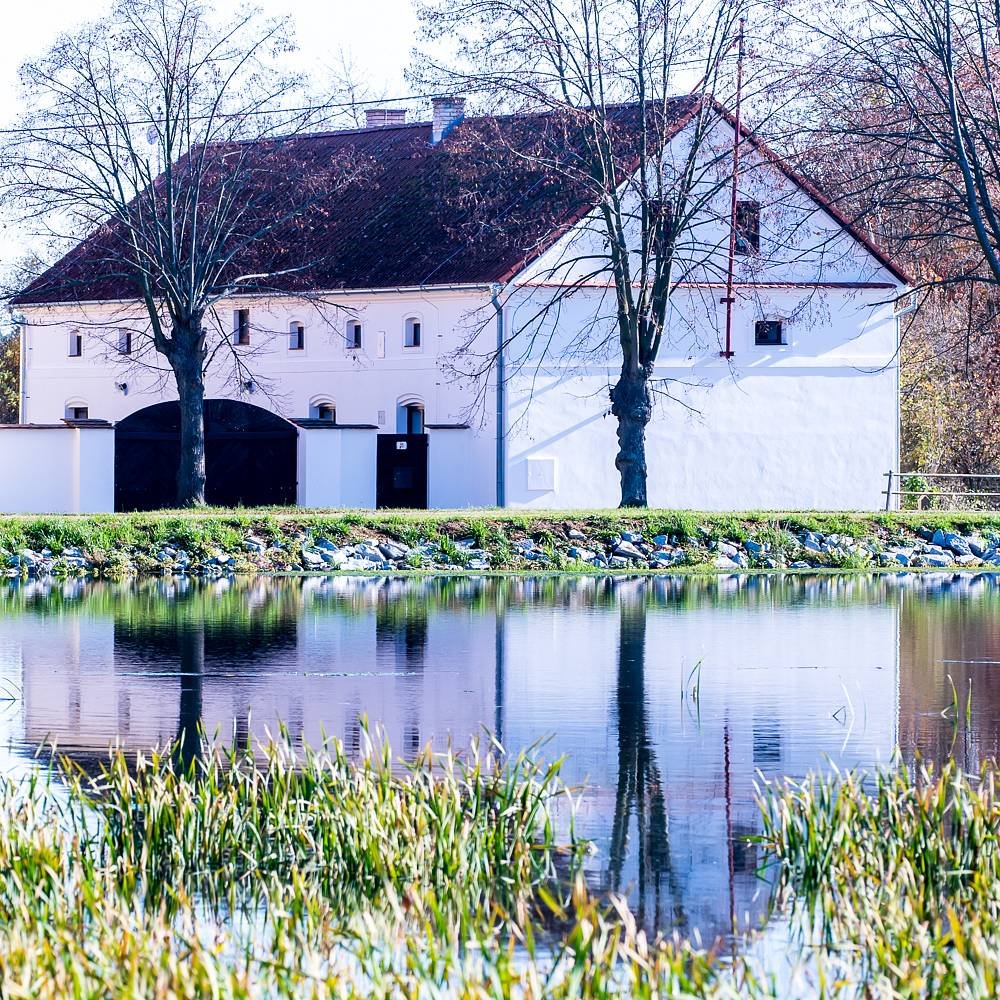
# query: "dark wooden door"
250 457
401 471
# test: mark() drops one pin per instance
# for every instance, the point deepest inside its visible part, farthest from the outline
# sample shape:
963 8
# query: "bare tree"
593 81
161 132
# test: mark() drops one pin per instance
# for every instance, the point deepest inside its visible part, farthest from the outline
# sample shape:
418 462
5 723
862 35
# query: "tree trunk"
187 365
632 404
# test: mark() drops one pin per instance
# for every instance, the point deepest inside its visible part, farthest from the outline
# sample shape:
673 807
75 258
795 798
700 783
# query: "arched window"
354 335
296 337
75 349
77 410
411 332
323 409
410 417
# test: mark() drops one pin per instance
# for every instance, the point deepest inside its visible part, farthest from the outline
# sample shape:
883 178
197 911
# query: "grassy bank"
286 540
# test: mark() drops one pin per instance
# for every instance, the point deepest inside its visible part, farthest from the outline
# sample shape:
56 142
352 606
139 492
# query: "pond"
668 696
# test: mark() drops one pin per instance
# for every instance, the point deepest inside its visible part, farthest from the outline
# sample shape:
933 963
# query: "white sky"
377 33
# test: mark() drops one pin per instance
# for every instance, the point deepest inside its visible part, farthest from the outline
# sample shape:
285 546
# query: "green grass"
297 873
898 874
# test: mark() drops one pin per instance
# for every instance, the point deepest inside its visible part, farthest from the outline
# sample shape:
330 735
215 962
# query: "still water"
668 696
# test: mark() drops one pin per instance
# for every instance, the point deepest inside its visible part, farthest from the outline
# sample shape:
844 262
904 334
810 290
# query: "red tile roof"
383 208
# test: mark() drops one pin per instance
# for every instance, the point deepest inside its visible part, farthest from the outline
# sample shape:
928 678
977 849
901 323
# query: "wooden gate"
250 457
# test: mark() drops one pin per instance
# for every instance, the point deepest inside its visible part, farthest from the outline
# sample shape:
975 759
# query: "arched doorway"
250 457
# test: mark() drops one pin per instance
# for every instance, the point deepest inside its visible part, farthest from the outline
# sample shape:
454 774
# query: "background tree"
159 131
901 127
604 72
10 377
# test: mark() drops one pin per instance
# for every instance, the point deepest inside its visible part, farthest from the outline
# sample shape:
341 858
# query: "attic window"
354 336
747 228
296 337
79 413
241 327
124 341
411 333
326 411
76 344
768 333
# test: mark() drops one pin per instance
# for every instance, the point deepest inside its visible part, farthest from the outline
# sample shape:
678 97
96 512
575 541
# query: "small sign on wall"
541 474
400 446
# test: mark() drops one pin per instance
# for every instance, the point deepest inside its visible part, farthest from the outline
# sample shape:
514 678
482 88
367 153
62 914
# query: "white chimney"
378 117
448 112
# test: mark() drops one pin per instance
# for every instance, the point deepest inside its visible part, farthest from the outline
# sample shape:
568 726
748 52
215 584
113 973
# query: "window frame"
74 349
323 408
782 336
241 328
747 243
413 333
352 342
125 342
297 336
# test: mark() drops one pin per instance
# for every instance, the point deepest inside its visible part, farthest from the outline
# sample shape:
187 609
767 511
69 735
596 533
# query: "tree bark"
187 365
632 404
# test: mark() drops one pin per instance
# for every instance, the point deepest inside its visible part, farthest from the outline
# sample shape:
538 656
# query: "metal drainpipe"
22 348
501 456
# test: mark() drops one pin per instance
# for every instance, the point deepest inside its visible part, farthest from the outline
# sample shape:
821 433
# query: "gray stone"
312 559
393 551
618 562
599 561
661 540
936 559
325 545
524 545
799 564
811 541
728 549
254 544
724 562
575 535
978 546
957 544
939 538
627 550
755 548
631 536
968 560
584 555
478 564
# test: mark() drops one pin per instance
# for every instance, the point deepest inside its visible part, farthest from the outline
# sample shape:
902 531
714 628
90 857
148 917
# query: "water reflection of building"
666 695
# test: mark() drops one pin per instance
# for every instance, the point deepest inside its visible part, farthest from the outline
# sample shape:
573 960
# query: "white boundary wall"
56 469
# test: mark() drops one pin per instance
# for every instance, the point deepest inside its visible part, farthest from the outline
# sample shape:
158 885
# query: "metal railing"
902 477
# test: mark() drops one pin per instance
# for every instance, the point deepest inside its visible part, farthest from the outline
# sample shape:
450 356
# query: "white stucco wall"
56 469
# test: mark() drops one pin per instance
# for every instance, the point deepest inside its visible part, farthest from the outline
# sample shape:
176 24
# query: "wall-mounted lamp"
250 385
122 387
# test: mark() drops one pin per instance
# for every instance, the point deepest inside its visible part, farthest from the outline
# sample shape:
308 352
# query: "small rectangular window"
325 411
411 336
79 413
747 228
354 336
297 337
768 333
76 344
241 327
124 341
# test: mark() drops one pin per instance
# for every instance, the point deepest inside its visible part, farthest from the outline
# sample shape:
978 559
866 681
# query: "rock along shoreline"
213 546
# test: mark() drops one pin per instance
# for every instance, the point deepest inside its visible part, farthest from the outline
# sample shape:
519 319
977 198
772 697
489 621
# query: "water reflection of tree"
640 791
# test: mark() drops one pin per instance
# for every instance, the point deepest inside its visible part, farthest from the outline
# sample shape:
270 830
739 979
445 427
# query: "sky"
378 34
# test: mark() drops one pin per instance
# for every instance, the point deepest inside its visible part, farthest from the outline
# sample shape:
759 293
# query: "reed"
897 871
293 872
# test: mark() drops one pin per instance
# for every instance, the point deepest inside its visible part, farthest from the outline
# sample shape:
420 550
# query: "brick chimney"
378 117
448 112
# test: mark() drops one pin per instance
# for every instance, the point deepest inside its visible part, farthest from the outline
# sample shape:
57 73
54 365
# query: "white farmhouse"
353 389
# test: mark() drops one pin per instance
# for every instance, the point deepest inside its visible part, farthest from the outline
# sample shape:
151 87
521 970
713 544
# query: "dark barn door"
250 457
401 471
